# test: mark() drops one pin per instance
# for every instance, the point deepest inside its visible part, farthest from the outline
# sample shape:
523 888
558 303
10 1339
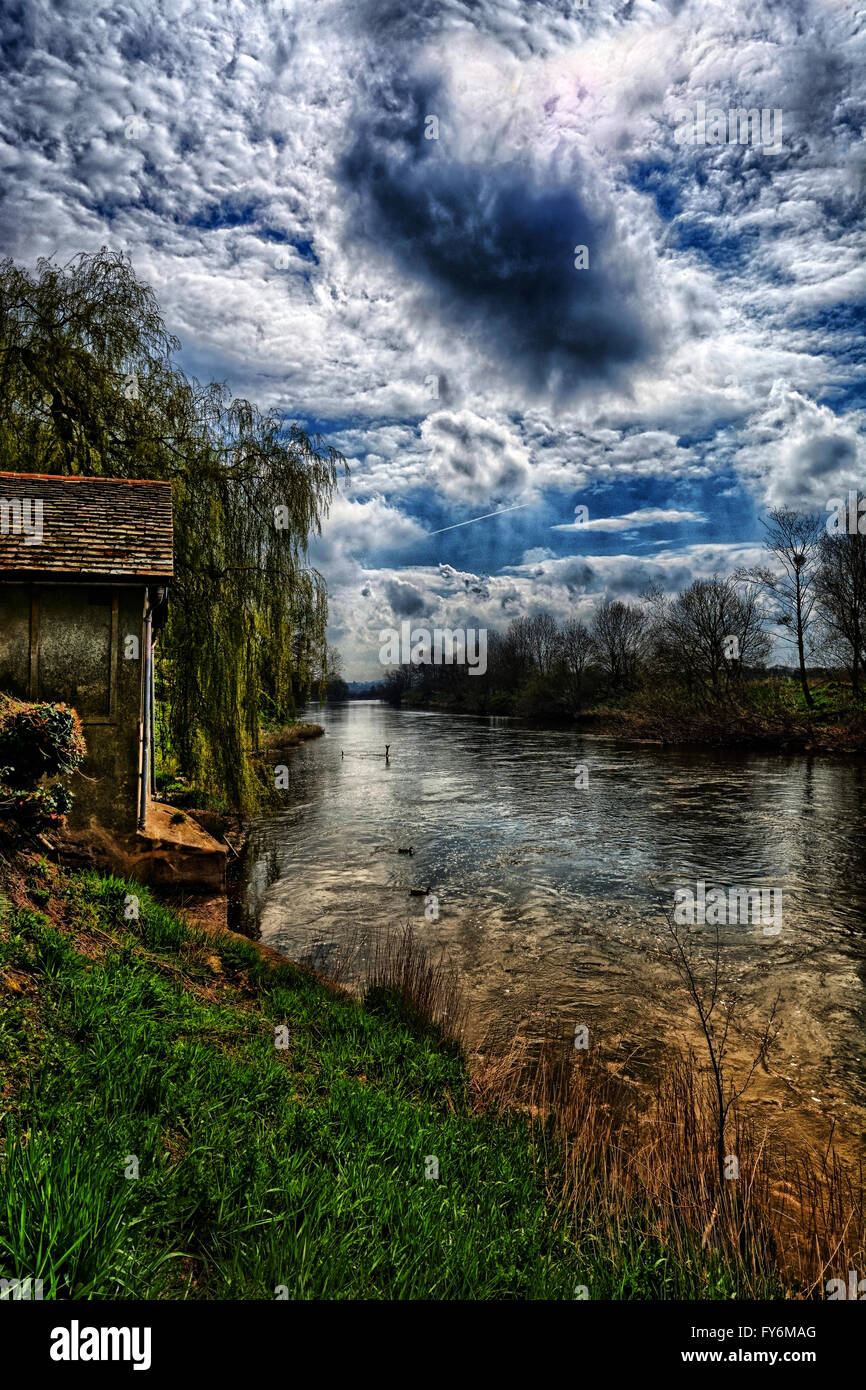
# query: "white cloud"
647 516
474 459
797 453
229 202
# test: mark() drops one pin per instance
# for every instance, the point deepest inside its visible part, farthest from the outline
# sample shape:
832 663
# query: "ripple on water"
551 894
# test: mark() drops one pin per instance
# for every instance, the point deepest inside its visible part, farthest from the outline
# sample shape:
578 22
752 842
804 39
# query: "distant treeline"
697 651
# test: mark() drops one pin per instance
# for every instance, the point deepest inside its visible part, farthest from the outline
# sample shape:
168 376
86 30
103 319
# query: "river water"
551 897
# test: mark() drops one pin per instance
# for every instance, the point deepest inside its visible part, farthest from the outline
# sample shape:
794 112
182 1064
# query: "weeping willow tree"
89 385
248 616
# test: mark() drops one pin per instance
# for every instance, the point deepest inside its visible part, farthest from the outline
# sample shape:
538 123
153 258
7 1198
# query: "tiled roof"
108 527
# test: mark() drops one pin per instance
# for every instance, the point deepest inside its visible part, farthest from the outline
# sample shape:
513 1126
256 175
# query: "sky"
369 216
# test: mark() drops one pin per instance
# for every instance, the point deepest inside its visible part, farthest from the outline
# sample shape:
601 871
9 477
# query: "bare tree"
533 643
576 652
619 633
709 633
543 640
794 538
841 591
717 1004
517 648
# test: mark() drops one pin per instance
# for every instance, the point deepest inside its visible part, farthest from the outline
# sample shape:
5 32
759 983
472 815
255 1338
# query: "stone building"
85 565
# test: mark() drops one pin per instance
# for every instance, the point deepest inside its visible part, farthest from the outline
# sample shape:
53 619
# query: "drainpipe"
153 723
145 723
159 607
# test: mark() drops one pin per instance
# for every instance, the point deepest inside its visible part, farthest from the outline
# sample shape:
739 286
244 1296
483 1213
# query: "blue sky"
366 215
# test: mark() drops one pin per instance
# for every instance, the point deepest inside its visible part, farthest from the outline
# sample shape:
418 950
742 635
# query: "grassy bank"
288 735
146 1046
768 713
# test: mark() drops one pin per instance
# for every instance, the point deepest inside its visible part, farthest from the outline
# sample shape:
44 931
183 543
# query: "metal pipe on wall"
153 722
146 715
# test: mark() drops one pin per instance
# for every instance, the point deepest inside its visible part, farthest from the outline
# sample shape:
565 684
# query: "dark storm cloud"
818 84
406 601
576 575
492 248
393 21
525 28
808 464
826 455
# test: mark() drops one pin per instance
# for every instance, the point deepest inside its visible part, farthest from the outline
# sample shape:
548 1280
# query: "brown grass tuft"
798 1217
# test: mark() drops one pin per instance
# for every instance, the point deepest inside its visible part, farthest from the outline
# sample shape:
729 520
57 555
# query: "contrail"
477 518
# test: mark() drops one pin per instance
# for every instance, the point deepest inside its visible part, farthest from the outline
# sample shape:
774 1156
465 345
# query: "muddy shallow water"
551 895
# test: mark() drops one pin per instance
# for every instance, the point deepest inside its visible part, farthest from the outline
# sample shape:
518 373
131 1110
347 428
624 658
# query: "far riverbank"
771 717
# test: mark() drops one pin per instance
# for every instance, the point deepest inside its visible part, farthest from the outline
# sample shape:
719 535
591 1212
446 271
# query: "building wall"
69 643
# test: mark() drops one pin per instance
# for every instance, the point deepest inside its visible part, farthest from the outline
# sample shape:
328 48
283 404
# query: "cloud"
797 453
489 245
468 583
647 516
406 601
367 527
474 459
416 300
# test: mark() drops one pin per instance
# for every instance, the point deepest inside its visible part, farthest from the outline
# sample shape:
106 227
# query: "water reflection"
551 894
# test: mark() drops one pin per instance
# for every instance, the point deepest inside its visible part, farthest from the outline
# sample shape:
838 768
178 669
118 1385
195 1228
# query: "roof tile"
88 526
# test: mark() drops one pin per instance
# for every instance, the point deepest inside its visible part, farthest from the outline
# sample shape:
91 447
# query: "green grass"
260 1167
776 698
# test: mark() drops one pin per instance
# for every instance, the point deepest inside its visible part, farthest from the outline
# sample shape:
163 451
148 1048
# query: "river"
551 897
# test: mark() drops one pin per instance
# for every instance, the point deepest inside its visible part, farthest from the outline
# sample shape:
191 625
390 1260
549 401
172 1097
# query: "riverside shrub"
39 744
